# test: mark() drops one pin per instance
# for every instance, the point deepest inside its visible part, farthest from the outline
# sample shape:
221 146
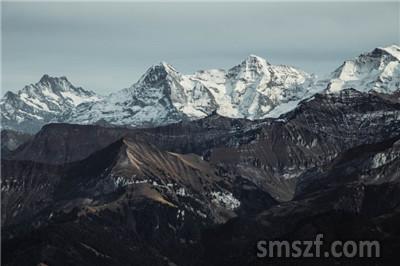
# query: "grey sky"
107 46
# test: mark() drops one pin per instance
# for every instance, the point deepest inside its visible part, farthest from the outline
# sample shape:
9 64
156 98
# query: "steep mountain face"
375 163
313 134
161 96
354 197
55 143
37 104
125 163
378 70
255 88
252 89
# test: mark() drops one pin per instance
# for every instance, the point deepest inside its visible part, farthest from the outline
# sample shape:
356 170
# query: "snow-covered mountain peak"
157 73
48 78
377 70
167 67
253 59
251 66
380 55
39 103
54 85
8 95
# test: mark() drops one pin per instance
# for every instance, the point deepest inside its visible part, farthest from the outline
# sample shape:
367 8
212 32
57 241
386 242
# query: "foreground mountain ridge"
253 89
210 188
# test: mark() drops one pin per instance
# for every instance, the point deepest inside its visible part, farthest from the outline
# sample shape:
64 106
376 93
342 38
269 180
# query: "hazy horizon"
109 47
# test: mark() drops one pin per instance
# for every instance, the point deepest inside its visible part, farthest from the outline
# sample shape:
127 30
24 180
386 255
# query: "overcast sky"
107 46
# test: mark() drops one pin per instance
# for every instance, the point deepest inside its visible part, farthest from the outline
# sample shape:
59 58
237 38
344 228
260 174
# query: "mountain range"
254 89
195 169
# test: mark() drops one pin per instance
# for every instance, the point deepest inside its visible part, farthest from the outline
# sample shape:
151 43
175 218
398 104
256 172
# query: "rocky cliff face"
354 197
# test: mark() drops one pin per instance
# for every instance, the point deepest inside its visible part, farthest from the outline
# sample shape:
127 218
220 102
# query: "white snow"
181 192
78 99
46 91
282 109
225 199
31 115
34 102
383 158
393 50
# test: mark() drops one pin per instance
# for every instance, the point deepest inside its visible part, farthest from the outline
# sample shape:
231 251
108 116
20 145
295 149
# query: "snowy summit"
253 89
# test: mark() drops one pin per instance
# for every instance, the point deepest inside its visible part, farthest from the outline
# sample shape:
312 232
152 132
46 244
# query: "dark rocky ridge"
348 199
58 143
270 153
310 136
157 200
